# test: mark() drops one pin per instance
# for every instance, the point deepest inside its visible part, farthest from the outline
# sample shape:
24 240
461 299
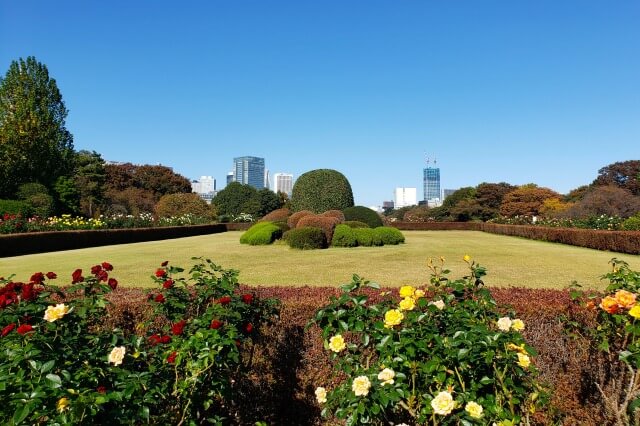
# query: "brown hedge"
277 215
289 361
326 223
334 213
294 218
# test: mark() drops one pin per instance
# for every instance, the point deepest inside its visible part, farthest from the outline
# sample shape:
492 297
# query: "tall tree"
527 200
35 145
624 174
90 177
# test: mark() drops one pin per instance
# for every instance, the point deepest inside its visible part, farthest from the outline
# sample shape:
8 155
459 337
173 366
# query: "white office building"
283 182
205 187
405 197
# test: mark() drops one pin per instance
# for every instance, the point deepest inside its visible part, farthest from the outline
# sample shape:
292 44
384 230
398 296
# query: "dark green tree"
321 190
237 198
269 201
35 145
90 177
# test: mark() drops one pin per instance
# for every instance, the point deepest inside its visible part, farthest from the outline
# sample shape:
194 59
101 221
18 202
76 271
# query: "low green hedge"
356 224
343 236
367 237
363 214
262 233
306 238
389 236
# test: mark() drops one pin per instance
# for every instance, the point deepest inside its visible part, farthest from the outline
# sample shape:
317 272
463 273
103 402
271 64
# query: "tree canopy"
35 145
321 190
624 174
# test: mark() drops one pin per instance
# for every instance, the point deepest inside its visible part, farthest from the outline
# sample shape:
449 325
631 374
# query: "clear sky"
517 91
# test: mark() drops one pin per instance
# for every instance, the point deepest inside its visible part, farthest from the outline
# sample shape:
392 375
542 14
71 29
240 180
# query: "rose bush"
439 355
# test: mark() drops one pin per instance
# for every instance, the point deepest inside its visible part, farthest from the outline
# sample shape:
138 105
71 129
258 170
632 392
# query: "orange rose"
625 299
610 305
591 304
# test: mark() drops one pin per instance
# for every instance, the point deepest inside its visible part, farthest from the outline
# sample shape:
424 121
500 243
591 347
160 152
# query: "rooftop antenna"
427 161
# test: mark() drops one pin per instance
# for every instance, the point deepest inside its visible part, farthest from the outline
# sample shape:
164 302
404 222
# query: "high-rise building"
431 182
249 171
229 177
404 197
283 182
267 179
205 187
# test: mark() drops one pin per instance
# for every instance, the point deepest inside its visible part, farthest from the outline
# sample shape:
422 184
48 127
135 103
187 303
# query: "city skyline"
541 92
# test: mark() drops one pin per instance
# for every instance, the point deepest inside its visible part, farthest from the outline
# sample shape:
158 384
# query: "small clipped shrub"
277 215
632 223
334 213
355 224
179 204
321 190
262 233
363 214
343 236
327 224
294 218
367 237
307 238
389 235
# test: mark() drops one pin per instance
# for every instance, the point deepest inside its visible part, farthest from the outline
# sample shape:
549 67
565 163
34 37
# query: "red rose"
172 358
161 273
224 300
238 343
52 275
101 389
167 284
159 298
165 339
113 283
29 292
178 327
107 266
247 298
102 275
96 269
215 324
165 263
154 339
8 329
248 328
24 329
37 278
77 276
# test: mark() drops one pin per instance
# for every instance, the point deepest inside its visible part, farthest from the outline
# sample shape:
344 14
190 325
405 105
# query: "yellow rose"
516 348
361 385
336 343
386 376
625 299
466 258
117 355
418 294
55 312
443 403
321 395
474 409
635 311
407 304
504 323
517 324
393 317
63 404
407 291
523 360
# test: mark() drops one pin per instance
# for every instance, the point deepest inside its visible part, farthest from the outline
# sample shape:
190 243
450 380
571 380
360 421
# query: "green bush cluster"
262 233
321 190
345 236
306 238
363 214
15 207
389 235
632 223
355 224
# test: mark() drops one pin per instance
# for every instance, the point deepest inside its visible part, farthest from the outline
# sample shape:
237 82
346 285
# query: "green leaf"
21 413
55 380
47 366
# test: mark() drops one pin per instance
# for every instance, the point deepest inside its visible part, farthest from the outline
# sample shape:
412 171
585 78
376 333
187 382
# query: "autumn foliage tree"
527 200
624 174
606 200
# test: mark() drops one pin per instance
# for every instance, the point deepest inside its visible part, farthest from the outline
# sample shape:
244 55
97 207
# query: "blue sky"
538 91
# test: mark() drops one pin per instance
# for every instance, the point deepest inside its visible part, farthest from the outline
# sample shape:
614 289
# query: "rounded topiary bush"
343 236
334 213
262 233
355 224
277 215
306 238
321 190
326 223
367 237
389 235
294 218
363 214
179 204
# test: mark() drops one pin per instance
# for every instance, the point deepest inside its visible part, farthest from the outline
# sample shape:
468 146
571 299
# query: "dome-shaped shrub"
363 214
321 190
326 223
306 238
334 213
389 235
277 215
294 218
343 236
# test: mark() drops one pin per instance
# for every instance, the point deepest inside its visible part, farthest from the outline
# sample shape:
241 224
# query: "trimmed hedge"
355 224
15 207
334 213
326 223
321 190
367 237
437 226
295 217
262 233
343 236
389 236
306 238
277 215
363 214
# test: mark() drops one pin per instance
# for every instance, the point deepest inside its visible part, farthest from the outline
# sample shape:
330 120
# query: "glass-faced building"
431 182
249 171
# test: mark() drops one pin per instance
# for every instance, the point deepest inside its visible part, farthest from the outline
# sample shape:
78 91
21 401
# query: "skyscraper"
283 182
249 171
229 177
431 182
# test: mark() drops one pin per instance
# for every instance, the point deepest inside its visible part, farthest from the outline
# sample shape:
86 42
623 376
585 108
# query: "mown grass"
510 261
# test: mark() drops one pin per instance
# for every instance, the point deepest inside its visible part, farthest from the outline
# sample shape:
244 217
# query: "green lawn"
510 261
